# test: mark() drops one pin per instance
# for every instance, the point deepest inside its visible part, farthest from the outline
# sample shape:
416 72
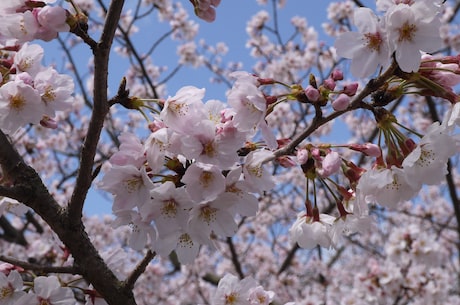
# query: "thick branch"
29 189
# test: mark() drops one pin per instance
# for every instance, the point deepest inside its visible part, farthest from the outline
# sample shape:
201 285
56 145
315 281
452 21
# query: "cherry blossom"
183 110
309 233
232 291
201 190
369 48
49 291
11 287
20 104
409 32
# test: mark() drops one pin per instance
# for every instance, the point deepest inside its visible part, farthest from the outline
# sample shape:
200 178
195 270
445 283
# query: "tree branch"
100 110
318 120
40 268
29 189
140 268
235 260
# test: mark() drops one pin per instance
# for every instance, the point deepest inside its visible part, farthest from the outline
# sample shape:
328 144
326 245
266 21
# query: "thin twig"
40 268
140 268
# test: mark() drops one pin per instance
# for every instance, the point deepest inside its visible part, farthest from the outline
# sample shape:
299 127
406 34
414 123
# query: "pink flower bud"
286 161
330 165
302 156
341 102
350 89
312 93
208 15
265 81
369 149
48 122
329 84
337 75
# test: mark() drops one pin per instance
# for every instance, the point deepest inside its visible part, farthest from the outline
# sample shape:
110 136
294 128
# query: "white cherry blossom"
367 49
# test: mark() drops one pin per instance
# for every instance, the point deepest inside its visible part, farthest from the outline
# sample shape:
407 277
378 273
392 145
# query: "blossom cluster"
30 93
395 176
24 21
189 180
46 289
203 170
405 29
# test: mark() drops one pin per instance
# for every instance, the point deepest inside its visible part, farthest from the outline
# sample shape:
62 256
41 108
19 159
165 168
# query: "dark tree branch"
40 268
287 261
29 189
319 120
10 233
137 272
100 110
235 260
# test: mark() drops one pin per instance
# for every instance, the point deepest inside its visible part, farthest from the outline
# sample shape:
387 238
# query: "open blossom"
428 8
130 185
409 32
258 177
204 182
55 90
367 49
211 217
12 206
20 27
232 291
142 232
182 111
168 207
237 195
259 296
427 163
131 151
184 244
20 104
348 224
10 288
308 233
387 187
248 101
212 144
28 59
47 290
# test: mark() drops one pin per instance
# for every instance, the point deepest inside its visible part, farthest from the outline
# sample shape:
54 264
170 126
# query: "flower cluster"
407 165
31 93
406 28
188 181
46 289
24 21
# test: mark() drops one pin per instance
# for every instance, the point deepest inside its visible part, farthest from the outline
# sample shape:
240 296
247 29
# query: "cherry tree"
325 173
